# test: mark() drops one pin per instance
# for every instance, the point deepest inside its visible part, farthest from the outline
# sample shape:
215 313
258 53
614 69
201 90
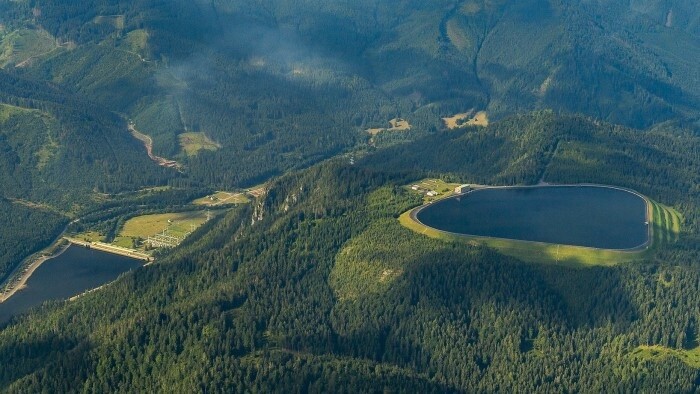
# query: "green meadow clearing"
690 357
178 224
222 198
192 143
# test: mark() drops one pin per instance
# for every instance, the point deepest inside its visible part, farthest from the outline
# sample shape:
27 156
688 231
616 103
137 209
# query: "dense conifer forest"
315 286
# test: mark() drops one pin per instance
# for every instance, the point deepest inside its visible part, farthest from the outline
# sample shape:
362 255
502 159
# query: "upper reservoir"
591 216
74 271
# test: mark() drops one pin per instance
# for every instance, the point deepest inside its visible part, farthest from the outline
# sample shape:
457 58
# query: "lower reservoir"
591 216
72 272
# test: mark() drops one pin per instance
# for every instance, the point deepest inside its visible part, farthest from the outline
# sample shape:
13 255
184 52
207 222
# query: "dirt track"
148 143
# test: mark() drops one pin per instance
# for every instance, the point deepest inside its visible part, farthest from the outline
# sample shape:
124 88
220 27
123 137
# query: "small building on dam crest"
463 188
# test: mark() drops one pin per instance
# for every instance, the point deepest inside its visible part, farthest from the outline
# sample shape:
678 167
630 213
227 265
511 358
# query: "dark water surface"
590 216
76 270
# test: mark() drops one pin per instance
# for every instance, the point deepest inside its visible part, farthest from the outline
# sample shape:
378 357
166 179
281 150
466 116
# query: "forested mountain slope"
57 152
317 287
542 146
56 147
263 79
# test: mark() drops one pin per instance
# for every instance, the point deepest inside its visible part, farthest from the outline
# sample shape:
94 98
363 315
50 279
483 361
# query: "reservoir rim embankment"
413 215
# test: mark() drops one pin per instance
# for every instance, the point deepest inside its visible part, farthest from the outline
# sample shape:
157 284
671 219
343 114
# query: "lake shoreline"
72 272
414 213
21 283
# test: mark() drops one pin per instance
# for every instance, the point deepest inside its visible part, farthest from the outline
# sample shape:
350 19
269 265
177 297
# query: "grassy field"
666 223
442 188
665 228
691 357
90 236
221 198
192 143
466 119
178 224
397 124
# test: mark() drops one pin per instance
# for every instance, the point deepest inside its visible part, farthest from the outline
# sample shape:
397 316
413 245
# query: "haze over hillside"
286 136
256 76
